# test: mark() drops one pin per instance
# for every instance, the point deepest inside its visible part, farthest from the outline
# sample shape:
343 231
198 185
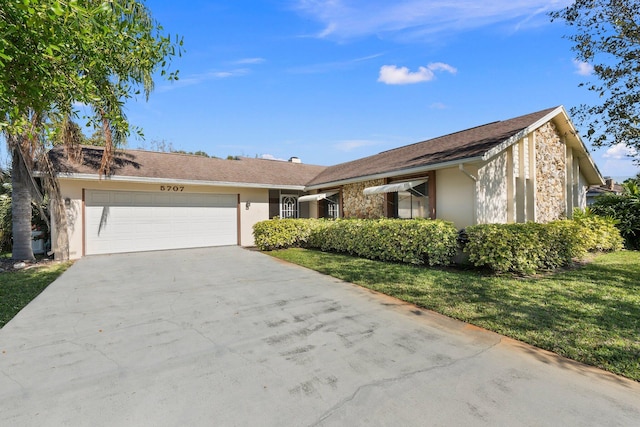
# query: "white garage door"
133 221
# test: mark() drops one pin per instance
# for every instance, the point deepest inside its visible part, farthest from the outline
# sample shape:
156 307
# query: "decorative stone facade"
356 205
550 174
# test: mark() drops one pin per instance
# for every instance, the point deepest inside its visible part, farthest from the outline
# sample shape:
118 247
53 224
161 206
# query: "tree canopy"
607 36
55 54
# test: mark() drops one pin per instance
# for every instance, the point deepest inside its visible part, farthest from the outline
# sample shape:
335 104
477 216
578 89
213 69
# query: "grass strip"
19 288
590 314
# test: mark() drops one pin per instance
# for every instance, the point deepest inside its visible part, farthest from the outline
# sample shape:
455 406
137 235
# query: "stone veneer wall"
356 205
550 174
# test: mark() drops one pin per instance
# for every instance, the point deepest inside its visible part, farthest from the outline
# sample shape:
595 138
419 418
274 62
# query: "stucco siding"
455 197
257 210
492 191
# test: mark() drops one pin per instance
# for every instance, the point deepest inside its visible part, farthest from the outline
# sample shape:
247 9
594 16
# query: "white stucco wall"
492 191
455 194
73 189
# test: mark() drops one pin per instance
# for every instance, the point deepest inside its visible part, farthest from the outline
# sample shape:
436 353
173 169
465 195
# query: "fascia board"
408 171
145 180
515 138
585 151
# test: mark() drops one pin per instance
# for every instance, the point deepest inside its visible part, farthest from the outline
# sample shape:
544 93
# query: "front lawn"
18 288
590 314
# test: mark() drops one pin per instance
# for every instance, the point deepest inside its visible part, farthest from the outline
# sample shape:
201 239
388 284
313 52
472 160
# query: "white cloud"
619 152
394 75
441 66
583 68
354 144
195 79
438 106
271 157
345 19
330 66
246 61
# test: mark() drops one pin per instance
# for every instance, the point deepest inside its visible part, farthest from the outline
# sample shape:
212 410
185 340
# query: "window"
288 206
413 203
332 206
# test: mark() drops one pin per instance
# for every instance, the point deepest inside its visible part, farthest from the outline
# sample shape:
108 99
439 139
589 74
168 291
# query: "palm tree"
104 52
23 147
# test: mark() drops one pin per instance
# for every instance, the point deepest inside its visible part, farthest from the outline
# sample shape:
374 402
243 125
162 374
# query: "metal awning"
316 197
392 188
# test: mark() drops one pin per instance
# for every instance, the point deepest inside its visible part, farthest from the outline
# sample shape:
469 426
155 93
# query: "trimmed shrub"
600 233
417 241
562 242
527 248
283 233
504 247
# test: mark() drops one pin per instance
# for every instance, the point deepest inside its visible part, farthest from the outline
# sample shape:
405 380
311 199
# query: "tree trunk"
20 210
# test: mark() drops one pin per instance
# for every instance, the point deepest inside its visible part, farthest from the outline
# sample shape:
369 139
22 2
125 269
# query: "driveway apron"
232 337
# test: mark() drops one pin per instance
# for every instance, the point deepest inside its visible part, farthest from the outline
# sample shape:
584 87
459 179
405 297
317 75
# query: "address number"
177 188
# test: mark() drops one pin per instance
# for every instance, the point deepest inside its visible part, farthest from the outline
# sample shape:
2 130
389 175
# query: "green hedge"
411 241
417 241
599 233
283 233
519 248
527 248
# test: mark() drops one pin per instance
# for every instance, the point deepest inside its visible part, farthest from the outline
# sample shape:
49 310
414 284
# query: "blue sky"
335 80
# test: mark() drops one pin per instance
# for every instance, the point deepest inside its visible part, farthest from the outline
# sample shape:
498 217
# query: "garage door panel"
117 221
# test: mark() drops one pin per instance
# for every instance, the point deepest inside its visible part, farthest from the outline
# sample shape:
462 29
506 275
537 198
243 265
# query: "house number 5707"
172 188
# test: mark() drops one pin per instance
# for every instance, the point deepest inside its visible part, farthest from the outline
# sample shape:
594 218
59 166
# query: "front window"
332 206
288 206
413 203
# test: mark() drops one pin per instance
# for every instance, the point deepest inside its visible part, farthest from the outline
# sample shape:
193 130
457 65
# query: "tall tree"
607 36
56 52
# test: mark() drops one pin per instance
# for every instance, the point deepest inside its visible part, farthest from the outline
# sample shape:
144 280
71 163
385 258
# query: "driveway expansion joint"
328 414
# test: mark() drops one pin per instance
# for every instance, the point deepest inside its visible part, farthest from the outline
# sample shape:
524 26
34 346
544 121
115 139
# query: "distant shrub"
625 209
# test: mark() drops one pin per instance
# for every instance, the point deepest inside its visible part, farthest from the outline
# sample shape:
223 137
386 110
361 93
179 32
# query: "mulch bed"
8 265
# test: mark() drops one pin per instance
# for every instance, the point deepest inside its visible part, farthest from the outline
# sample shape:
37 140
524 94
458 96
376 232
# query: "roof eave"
515 138
592 172
389 174
146 180
595 177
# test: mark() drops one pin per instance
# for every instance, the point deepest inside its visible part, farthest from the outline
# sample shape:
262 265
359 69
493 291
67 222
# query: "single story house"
529 168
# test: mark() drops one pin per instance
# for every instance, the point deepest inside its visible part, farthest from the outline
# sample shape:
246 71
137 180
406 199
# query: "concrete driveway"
227 336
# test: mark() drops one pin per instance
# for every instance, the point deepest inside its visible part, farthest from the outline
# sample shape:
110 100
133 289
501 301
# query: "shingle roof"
457 146
461 145
148 164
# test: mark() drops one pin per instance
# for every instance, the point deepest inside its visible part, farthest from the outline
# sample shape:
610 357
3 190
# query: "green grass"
590 314
18 288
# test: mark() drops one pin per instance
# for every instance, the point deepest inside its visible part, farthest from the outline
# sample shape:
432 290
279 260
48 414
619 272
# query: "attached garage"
153 201
134 221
